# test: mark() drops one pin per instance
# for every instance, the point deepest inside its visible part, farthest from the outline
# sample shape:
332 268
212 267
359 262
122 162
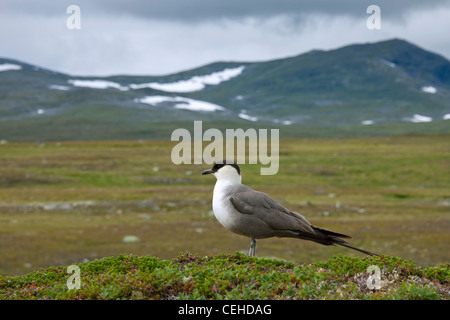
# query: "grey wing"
263 207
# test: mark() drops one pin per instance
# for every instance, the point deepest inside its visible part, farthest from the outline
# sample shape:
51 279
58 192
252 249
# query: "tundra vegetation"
140 227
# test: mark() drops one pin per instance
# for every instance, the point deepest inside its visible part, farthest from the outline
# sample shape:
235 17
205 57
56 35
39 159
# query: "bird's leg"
252 248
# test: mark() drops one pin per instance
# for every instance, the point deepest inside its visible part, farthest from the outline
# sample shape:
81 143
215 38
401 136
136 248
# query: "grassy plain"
74 202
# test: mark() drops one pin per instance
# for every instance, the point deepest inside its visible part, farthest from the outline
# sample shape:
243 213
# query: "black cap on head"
220 164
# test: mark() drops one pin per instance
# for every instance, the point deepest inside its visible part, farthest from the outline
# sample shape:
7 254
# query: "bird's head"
225 171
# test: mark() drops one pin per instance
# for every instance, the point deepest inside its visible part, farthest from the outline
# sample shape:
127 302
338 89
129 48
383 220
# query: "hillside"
389 87
235 277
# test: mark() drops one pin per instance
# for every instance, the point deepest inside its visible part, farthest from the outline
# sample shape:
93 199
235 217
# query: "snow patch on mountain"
429 89
97 84
417 118
284 122
193 84
9 66
182 103
243 115
388 63
58 87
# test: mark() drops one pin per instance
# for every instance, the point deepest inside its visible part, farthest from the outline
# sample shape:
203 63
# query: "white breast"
222 207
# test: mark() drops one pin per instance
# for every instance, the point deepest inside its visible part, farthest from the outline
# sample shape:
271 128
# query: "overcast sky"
154 37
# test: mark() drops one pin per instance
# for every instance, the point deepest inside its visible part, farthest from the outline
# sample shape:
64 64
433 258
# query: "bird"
254 214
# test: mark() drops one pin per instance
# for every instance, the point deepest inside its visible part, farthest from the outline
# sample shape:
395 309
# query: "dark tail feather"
330 233
330 238
345 244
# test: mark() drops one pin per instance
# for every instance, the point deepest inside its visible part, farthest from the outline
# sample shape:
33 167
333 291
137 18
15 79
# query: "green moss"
351 265
416 292
230 277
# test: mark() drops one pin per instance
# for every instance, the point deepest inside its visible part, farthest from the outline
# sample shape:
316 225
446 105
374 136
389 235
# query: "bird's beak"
206 172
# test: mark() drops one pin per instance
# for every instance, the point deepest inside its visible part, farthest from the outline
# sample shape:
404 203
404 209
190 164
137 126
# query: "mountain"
388 87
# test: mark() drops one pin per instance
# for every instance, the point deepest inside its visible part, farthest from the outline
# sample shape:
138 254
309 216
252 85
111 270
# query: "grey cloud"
192 10
164 36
